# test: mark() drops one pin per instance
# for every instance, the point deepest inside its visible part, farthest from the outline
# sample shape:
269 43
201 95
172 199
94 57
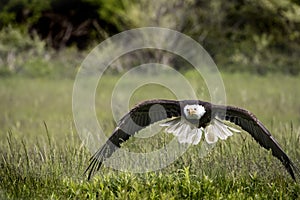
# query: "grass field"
42 156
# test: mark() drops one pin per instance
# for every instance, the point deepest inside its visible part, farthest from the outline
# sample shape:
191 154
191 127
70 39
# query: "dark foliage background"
257 36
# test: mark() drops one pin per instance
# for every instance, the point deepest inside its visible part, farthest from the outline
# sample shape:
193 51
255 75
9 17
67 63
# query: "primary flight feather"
189 120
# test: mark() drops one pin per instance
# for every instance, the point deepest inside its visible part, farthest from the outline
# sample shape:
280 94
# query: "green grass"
42 157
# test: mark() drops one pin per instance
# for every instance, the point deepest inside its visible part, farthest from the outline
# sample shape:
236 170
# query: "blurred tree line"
241 35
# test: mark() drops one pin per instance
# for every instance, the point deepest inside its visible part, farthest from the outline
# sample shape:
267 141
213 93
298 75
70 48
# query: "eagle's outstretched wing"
141 116
248 121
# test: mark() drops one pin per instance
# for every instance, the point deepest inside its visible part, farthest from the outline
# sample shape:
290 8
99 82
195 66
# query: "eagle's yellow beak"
192 111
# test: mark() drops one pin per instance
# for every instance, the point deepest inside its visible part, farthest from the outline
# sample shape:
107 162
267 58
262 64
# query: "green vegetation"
42 156
258 36
255 44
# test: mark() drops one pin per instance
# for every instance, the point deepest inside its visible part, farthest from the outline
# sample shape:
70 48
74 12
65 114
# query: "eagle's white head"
193 111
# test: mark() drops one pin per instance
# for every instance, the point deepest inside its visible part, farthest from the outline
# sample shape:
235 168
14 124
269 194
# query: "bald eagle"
188 121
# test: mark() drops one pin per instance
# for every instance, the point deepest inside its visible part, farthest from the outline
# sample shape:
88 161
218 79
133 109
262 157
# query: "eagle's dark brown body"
151 111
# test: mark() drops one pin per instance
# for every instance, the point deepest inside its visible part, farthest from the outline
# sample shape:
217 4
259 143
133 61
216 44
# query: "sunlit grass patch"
41 155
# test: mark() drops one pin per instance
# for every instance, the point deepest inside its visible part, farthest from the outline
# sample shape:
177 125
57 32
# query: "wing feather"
141 116
248 122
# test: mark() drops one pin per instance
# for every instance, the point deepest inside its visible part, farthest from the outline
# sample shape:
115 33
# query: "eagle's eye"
195 108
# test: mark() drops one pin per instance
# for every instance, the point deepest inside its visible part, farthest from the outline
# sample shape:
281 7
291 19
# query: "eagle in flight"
188 121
